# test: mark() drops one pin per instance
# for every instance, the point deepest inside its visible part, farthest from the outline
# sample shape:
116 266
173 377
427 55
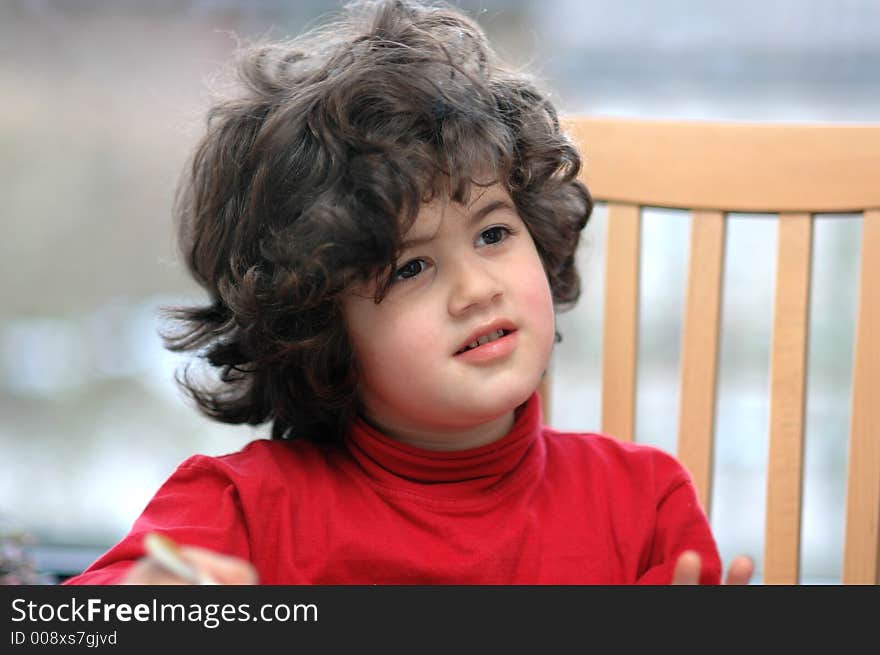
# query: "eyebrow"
476 217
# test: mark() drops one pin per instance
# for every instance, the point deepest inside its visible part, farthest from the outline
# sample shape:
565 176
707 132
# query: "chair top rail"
731 167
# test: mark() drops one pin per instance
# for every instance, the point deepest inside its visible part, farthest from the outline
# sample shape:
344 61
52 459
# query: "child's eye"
412 268
494 234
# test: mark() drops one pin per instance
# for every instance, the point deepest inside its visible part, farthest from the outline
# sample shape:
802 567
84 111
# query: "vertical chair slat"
787 386
620 321
699 353
862 546
544 393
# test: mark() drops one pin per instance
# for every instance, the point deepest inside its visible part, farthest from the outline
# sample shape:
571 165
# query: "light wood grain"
544 391
787 388
620 322
861 561
733 167
699 352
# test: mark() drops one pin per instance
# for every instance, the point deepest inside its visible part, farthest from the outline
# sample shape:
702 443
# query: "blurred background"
102 101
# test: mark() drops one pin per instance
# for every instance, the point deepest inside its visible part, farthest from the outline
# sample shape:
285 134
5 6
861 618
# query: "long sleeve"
681 525
198 506
540 507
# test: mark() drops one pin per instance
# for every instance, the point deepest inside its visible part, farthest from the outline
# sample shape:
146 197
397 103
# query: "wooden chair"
792 171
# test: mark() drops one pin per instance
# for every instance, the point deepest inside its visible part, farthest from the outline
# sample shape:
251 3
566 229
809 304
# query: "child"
385 221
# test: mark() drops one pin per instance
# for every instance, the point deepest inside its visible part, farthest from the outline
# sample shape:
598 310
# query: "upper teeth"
497 334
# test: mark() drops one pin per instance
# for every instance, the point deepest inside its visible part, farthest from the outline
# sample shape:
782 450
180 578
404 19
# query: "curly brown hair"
309 175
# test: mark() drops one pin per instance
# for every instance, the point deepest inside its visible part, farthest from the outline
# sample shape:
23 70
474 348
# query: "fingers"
223 569
147 571
740 571
687 569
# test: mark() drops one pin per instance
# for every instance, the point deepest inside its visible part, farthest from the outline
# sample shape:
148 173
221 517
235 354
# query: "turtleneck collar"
448 474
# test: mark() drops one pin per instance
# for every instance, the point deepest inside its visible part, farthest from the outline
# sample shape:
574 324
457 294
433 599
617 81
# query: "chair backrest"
792 171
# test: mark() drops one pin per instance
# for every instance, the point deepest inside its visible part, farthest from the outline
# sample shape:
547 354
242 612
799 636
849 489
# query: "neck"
447 439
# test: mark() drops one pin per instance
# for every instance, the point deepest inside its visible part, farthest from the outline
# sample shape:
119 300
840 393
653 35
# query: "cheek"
393 359
536 299
544 321
391 339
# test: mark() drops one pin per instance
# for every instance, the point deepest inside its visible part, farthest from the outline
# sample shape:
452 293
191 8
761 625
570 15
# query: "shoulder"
607 448
602 454
261 459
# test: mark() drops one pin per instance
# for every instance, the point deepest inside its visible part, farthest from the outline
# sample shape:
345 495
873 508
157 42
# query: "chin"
494 404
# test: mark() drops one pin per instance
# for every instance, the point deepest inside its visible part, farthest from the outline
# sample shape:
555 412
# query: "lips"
486 334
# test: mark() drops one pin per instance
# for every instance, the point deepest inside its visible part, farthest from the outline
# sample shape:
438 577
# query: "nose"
473 285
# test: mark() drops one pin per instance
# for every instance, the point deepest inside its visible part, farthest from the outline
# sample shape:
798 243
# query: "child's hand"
222 569
687 570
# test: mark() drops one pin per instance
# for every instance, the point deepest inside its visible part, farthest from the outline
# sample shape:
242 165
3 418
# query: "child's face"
469 271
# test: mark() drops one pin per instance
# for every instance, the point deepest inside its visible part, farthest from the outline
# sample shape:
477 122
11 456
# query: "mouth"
486 337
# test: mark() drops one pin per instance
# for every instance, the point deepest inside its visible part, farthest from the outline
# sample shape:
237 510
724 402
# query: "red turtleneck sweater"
535 507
